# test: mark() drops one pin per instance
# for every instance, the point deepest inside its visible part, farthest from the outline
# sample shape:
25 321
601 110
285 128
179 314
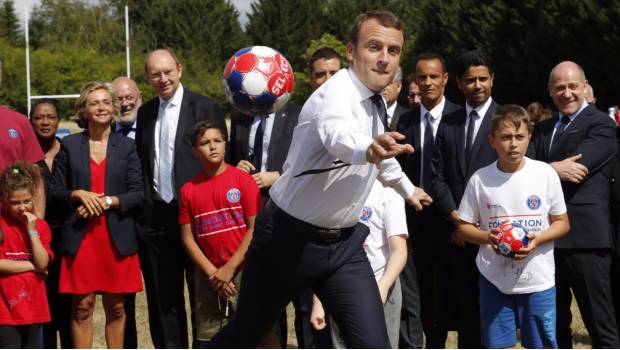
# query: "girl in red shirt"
24 256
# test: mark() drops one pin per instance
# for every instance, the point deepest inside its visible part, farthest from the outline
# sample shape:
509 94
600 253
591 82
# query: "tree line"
75 41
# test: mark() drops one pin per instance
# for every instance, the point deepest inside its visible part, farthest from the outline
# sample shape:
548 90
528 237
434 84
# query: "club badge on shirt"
533 202
366 214
13 133
233 195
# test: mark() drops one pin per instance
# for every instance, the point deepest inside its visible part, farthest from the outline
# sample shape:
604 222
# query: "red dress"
97 266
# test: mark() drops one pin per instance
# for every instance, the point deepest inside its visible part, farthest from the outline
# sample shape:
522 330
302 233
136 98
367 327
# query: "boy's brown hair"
511 114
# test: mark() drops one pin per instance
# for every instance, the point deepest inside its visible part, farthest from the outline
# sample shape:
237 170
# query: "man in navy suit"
579 142
167 163
461 148
424 296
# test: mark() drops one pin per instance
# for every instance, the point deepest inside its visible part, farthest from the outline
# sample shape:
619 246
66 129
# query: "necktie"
427 152
469 138
125 130
560 130
165 155
377 100
257 155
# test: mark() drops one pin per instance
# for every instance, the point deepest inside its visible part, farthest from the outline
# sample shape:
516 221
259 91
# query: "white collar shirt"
436 113
390 112
326 177
482 111
266 138
168 109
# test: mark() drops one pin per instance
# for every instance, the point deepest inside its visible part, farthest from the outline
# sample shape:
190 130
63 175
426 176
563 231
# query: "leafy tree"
287 26
9 23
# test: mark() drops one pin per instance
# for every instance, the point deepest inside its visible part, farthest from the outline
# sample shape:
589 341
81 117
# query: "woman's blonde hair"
80 105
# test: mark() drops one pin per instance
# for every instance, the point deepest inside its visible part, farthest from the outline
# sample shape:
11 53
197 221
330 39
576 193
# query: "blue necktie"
165 155
377 100
256 158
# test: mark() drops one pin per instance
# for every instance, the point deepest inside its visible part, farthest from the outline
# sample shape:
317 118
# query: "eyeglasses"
128 98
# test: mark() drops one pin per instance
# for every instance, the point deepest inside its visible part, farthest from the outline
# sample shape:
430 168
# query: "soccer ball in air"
511 238
258 80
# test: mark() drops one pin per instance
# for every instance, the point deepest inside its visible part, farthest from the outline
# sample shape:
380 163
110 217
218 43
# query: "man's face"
322 70
476 84
510 143
414 94
163 73
376 55
210 148
567 89
390 93
45 121
431 79
130 100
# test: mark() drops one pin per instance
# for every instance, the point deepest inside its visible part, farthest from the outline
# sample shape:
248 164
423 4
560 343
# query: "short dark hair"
201 127
472 59
325 53
385 18
429 56
511 114
44 101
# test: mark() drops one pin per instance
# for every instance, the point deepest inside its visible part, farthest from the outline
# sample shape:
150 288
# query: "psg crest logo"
366 214
533 202
233 195
13 133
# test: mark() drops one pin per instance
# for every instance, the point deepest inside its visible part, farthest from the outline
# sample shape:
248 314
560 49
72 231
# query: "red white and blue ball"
511 238
258 80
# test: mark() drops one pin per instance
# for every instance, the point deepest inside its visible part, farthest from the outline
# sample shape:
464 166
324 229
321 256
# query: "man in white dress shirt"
306 236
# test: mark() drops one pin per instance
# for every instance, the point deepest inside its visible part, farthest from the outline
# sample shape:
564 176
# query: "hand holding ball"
511 238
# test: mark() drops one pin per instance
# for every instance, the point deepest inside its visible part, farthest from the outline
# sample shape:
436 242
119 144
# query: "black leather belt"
314 234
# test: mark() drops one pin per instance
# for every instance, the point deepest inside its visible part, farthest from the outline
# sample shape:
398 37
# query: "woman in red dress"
97 178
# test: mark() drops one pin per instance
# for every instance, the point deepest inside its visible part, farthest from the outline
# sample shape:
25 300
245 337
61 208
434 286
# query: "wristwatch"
108 202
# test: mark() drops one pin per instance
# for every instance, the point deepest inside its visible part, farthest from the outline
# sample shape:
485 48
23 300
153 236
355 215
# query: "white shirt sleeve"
391 175
333 123
468 209
394 218
557 206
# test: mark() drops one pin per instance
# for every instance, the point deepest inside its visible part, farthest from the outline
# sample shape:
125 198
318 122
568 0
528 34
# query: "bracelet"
33 233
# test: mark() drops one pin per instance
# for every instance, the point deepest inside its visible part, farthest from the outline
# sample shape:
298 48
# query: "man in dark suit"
461 148
167 163
421 280
579 143
390 94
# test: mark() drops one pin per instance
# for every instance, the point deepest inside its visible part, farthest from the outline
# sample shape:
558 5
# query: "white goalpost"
38 97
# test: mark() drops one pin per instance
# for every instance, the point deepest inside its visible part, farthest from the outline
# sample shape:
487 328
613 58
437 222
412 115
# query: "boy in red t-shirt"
216 213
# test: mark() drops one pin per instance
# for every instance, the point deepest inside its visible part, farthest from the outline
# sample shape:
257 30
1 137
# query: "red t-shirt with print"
23 299
217 207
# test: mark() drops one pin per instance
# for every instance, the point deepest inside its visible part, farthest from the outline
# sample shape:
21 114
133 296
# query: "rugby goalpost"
38 97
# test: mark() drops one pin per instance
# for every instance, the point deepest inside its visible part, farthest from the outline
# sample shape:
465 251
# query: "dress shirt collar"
391 109
435 112
574 115
481 110
176 99
361 90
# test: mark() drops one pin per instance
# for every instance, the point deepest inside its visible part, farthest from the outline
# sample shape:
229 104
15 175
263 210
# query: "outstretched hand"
386 146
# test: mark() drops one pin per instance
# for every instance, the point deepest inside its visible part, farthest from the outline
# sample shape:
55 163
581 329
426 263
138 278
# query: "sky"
243 6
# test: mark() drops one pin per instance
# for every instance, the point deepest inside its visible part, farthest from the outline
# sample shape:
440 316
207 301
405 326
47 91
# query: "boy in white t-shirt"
520 291
386 248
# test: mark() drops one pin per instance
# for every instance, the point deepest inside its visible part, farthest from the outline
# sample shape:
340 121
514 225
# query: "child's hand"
221 277
317 317
227 291
30 219
493 240
524 252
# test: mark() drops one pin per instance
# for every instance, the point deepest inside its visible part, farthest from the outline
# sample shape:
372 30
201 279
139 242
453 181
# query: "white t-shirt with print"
384 214
527 197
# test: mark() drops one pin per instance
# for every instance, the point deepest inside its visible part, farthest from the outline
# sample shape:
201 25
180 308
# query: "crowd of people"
379 221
